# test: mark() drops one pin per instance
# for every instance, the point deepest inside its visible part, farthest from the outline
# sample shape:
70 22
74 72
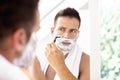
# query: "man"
18 20
63 58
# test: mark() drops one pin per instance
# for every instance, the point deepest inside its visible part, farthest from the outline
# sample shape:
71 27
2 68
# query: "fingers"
53 45
51 48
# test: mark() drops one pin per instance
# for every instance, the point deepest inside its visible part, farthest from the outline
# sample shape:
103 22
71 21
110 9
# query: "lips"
66 43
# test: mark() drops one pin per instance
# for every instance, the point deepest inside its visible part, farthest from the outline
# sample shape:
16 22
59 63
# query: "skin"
56 58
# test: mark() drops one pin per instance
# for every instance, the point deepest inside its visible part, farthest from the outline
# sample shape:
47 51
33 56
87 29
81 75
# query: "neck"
8 54
6 49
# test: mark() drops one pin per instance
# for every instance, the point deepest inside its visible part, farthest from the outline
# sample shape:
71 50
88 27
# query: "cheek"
57 34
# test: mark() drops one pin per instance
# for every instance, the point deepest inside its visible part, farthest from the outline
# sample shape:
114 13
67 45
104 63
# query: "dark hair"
14 13
70 12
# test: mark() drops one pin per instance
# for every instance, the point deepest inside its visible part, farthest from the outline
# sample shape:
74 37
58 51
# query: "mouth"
66 43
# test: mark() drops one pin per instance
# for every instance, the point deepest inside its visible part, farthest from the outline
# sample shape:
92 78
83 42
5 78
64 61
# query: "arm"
56 59
64 73
84 67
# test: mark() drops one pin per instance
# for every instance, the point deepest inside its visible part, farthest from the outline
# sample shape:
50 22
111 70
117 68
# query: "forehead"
67 22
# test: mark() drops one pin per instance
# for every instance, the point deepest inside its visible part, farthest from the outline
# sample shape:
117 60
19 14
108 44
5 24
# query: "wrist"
60 68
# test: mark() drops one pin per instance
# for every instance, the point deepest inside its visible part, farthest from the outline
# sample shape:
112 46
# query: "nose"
66 35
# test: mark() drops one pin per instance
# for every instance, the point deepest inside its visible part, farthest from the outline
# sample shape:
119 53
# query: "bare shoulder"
85 57
84 67
85 61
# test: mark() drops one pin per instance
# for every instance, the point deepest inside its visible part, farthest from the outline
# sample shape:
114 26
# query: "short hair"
70 12
14 13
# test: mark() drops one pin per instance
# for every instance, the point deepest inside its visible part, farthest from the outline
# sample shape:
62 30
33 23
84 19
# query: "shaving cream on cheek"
64 44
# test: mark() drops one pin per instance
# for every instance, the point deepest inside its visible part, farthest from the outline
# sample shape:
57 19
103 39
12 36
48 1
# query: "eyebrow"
65 27
73 29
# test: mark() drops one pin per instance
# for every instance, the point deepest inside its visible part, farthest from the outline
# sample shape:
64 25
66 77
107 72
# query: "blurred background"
110 39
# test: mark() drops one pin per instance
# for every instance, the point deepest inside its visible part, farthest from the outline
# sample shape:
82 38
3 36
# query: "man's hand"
54 56
56 59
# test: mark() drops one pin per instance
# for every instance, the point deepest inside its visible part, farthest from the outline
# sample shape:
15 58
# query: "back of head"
15 14
69 12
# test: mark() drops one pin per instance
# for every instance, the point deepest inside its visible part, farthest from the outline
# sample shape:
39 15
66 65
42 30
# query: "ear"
52 29
19 39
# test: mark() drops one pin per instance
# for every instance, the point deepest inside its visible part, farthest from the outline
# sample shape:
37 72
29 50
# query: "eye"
73 30
62 29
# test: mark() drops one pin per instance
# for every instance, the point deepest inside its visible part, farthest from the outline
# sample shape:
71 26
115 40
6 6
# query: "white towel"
72 60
